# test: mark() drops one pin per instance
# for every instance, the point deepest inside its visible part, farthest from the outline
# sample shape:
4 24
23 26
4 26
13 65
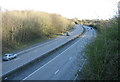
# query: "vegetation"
22 27
102 55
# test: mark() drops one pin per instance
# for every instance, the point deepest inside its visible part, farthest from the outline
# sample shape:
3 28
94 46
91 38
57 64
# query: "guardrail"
39 58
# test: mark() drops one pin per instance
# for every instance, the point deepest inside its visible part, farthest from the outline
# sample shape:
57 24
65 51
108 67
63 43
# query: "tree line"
19 27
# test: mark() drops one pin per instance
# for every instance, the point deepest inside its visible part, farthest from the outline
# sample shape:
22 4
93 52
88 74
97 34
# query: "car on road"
7 57
67 34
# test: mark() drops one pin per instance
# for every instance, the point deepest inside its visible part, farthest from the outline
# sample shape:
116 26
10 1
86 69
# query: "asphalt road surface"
64 64
38 51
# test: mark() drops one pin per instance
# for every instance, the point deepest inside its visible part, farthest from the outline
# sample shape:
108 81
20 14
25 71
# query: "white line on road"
36 46
56 72
6 78
80 69
76 77
51 60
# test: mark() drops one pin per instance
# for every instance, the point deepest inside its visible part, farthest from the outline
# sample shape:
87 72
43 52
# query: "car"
67 34
7 57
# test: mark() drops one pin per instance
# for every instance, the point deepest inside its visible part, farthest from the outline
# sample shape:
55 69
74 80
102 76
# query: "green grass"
21 46
103 54
24 45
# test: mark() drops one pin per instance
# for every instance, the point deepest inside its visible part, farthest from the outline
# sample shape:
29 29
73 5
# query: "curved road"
28 55
65 65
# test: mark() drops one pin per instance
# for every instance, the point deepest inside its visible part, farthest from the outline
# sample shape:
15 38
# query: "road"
62 66
31 54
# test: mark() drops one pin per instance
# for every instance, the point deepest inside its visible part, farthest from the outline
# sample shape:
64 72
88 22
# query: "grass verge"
103 55
26 45
22 46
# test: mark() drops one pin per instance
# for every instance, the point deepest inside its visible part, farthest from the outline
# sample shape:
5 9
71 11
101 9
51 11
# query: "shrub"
103 55
24 26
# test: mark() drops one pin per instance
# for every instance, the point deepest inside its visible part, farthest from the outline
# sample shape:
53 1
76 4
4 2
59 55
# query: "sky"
81 9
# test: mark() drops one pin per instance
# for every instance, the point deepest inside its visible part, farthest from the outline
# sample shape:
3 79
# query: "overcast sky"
82 9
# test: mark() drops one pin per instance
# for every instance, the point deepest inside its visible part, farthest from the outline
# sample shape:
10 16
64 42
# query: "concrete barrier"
38 58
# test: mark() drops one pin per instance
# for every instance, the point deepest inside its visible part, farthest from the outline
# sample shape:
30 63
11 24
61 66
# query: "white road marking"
50 61
80 69
35 47
56 72
6 78
76 77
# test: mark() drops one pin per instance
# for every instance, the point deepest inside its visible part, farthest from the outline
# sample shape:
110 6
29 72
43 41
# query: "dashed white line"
50 61
56 72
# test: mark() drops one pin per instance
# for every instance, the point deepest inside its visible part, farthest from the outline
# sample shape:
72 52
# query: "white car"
9 56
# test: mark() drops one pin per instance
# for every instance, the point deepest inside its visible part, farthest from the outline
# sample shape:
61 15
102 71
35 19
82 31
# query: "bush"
24 26
103 55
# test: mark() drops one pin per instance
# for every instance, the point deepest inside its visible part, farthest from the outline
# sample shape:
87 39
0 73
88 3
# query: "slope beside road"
66 64
37 51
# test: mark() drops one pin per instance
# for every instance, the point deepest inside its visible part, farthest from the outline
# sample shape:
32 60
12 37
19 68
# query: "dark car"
9 56
67 34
